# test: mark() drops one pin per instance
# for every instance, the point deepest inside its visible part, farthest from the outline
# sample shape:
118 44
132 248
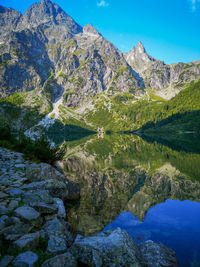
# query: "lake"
149 188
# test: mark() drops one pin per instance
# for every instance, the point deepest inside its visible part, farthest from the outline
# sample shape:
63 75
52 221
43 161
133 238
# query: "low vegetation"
37 150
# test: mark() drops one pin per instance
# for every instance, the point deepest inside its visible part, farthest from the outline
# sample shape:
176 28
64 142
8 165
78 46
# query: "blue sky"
169 29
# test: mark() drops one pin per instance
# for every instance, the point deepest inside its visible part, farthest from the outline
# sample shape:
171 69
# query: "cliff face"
74 67
47 43
166 80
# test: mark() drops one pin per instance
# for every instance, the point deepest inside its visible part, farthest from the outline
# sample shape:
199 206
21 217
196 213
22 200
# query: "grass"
123 117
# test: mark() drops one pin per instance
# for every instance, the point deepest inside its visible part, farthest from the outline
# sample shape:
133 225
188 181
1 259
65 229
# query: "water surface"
150 189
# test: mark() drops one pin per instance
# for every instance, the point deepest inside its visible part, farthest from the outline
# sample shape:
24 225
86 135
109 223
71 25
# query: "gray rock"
12 220
27 213
56 244
112 248
61 208
3 195
63 260
13 204
38 195
58 236
29 240
15 191
156 255
54 227
3 220
27 258
21 166
15 231
44 208
6 260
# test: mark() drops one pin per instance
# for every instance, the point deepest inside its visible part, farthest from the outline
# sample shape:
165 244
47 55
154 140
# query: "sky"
168 29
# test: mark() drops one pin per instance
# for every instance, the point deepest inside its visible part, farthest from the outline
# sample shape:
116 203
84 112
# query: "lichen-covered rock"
63 260
112 248
58 235
156 255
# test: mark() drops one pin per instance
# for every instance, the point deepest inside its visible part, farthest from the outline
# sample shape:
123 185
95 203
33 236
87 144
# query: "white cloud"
194 4
102 3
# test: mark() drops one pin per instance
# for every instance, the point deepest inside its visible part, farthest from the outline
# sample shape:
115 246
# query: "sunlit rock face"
166 80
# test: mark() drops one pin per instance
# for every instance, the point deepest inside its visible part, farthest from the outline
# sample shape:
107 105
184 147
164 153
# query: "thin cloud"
102 3
194 4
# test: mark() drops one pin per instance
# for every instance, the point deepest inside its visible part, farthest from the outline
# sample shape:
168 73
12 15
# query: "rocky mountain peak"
140 47
90 30
138 58
8 20
47 13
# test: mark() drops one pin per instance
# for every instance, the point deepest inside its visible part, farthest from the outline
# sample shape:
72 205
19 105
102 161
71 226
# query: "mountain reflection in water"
124 179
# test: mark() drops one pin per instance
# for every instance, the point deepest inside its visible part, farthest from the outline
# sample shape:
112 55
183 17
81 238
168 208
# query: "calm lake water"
144 186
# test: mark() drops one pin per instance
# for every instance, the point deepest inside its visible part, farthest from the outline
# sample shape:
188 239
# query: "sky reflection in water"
174 223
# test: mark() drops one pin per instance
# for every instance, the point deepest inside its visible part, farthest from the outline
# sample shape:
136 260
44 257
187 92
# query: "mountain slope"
166 80
79 76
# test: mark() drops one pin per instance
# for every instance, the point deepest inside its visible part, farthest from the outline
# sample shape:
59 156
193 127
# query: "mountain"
166 80
53 69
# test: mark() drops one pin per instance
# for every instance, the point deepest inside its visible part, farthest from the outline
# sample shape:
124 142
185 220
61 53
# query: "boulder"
27 258
27 213
112 248
58 236
44 208
156 254
15 231
63 260
58 184
29 240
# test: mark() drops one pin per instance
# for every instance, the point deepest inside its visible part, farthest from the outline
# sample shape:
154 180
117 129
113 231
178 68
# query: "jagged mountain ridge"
166 80
46 42
66 66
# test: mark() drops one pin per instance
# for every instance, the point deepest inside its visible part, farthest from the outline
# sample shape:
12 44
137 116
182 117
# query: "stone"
15 231
27 258
63 260
3 195
156 254
38 196
3 221
44 208
61 208
12 220
27 213
6 260
112 248
13 204
58 236
29 240
56 244
21 166
15 191
54 227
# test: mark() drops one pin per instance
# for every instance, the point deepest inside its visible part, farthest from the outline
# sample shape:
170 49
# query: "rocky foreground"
34 230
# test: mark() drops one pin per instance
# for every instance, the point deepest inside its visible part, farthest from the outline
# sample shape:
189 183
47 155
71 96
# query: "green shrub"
40 149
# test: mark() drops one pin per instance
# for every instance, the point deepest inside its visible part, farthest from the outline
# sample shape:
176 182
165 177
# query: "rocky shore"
34 230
